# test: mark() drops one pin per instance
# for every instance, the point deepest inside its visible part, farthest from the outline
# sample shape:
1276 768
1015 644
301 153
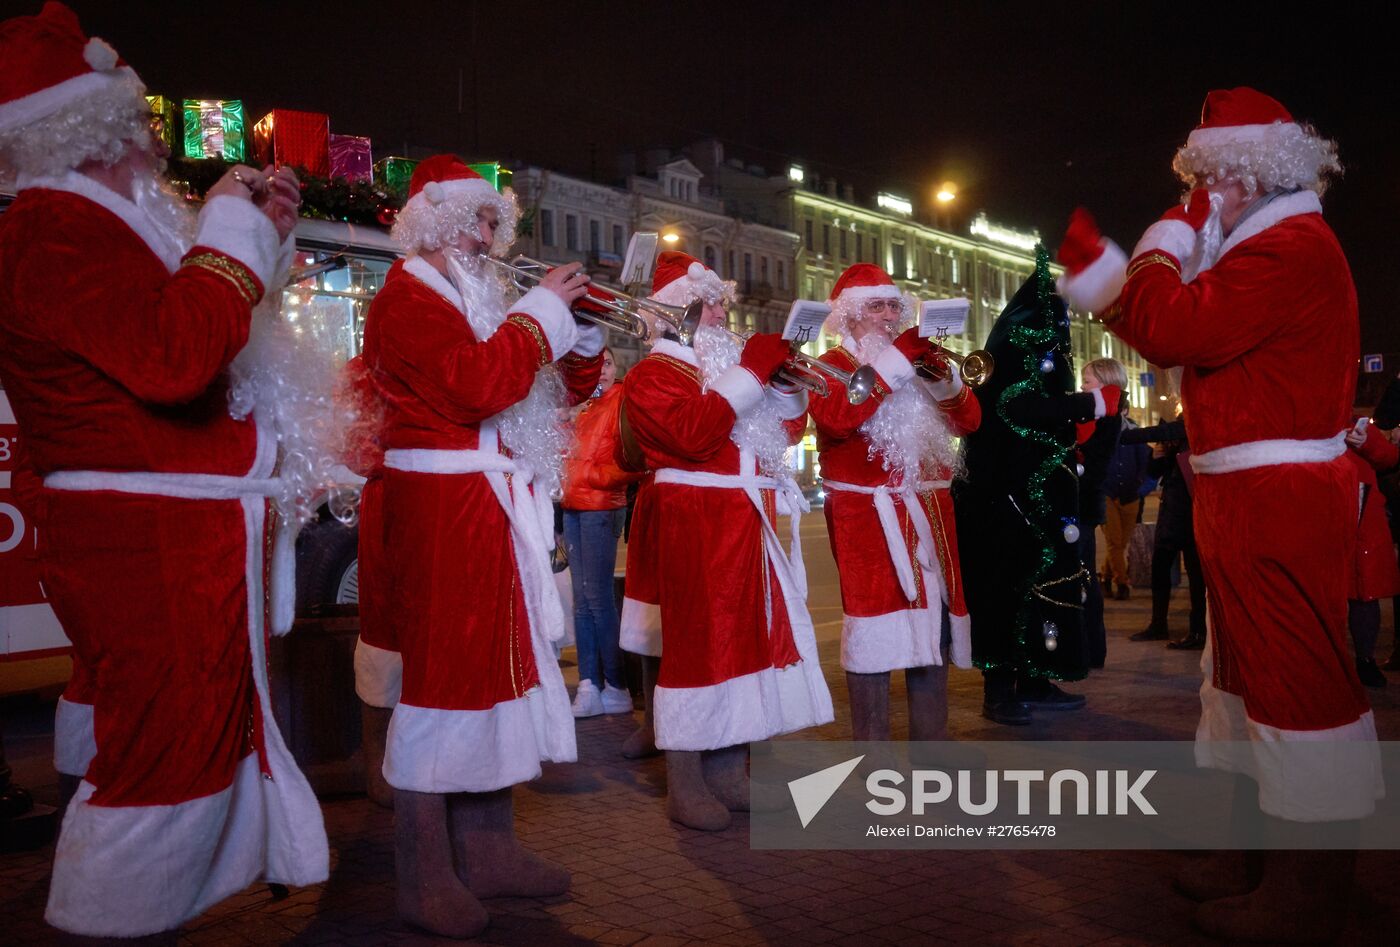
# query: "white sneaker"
587 703
616 700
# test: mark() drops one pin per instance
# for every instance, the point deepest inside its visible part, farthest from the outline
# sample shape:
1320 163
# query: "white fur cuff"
1096 286
236 228
790 403
1172 236
894 368
740 388
947 388
554 318
590 340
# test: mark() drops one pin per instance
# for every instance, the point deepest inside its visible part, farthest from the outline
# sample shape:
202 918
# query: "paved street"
638 879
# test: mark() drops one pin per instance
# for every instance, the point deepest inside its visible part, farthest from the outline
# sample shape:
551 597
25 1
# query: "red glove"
1113 400
1176 233
1194 212
1083 244
1094 266
765 354
912 346
935 367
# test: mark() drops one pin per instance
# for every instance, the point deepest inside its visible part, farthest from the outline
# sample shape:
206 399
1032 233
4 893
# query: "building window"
748 267
571 231
782 275
617 239
595 237
898 269
763 269
547 227
843 243
731 271
860 248
875 252
826 239
953 261
808 228
711 258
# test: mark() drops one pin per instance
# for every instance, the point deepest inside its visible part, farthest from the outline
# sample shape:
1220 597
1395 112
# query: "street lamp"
670 236
946 194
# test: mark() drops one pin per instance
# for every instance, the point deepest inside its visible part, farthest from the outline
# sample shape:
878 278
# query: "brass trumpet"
974 367
609 309
810 374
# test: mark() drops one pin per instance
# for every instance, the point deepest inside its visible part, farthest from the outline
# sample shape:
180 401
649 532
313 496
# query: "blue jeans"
591 539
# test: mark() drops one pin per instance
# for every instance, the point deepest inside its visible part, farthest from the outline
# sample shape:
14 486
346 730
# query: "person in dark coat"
1018 506
1175 535
1098 441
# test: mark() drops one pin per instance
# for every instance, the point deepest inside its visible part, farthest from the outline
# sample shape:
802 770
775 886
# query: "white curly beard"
760 431
530 429
908 432
170 213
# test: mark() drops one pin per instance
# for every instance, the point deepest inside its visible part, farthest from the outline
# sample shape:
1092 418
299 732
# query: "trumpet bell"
977 368
860 385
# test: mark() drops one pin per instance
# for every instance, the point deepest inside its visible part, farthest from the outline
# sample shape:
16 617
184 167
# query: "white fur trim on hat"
1172 236
451 206
740 388
896 370
38 105
235 227
1236 134
1097 285
699 282
560 330
863 293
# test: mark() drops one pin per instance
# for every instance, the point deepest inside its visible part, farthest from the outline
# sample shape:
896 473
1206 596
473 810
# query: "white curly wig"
845 309
433 218
1282 156
99 126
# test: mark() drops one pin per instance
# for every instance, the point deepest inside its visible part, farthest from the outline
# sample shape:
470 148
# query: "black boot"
1040 694
1369 673
999 701
1153 632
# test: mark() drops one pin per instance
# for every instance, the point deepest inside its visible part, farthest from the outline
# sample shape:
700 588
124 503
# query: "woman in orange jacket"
595 506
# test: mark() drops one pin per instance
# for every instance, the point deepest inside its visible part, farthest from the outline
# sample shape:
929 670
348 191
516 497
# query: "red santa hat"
863 281
680 279
49 68
444 196
1250 135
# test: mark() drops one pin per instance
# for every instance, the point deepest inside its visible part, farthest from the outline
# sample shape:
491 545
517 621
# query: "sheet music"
804 321
939 318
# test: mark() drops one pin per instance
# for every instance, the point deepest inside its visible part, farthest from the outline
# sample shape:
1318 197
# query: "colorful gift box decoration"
214 129
497 176
352 159
294 139
393 174
164 120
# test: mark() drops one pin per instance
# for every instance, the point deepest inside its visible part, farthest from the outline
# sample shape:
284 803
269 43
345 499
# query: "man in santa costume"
120 314
472 385
886 468
740 659
1246 287
640 625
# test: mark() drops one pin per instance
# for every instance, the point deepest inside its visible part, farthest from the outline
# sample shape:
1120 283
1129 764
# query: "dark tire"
327 566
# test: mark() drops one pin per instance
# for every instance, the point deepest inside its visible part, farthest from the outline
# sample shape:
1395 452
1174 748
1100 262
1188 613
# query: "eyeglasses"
873 306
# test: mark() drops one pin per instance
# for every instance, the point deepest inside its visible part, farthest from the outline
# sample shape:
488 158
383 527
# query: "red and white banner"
28 627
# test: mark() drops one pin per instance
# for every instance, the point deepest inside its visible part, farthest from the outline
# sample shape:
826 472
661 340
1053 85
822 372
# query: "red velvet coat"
449 573
1268 337
113 353
882 628
733 670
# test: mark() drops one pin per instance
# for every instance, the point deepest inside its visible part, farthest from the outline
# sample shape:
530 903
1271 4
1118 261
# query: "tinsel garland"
1037 345
321 198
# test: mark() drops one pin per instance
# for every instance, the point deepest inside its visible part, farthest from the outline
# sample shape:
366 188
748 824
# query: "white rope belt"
926 552
197 486
788 563
1268 454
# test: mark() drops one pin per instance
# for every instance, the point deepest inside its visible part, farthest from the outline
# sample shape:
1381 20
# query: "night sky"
1031 109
